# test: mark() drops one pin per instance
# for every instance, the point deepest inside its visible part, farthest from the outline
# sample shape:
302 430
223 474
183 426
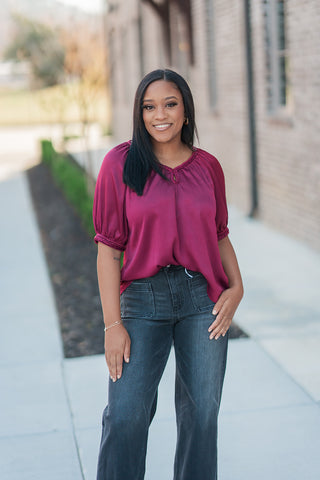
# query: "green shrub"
73 182
47 151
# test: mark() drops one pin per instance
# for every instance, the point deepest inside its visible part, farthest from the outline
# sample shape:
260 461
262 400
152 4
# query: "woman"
162 201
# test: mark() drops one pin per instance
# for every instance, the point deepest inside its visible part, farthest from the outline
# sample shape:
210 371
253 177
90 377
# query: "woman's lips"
162 127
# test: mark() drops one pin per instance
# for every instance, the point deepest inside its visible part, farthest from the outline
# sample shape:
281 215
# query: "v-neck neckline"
183 164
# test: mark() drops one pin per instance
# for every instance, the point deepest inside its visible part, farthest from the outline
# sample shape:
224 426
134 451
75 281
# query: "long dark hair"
141 159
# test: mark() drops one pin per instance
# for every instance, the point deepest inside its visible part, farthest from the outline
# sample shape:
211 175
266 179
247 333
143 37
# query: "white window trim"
275 107
211 56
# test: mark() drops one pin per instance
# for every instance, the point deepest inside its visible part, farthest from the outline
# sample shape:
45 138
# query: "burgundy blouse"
177 222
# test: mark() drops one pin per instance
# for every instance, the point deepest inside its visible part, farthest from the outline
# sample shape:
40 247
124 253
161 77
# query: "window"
180 46
211 60
177 27
276 55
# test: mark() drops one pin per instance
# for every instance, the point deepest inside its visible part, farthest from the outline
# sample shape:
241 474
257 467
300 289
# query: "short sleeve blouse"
177 221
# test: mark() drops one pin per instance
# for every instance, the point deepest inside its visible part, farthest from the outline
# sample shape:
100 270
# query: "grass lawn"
49 105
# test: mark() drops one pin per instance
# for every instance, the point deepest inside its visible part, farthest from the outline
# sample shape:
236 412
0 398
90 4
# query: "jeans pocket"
137 301
198 293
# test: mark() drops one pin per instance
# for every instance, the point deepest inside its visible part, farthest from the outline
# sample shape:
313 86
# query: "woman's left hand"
225 309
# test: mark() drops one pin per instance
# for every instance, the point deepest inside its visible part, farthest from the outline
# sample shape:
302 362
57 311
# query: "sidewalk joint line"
72 419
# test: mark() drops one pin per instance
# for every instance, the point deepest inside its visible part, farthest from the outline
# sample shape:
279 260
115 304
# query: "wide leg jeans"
170 308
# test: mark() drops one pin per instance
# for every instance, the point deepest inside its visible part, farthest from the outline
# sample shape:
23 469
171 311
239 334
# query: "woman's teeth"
162 127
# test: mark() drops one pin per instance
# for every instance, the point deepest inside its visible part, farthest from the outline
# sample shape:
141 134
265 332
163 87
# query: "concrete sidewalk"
36 431
50 408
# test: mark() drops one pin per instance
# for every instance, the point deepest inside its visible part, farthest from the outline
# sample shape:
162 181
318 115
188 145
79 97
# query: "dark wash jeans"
171 307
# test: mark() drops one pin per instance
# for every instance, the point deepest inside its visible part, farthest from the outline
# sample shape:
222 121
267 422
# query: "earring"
186 121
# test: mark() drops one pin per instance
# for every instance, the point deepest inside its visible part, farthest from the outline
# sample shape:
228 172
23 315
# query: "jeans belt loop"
187 273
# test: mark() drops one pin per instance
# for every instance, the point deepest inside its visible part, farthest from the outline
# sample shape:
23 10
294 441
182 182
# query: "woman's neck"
172 155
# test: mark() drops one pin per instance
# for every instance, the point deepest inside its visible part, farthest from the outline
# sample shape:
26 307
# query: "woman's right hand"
117 348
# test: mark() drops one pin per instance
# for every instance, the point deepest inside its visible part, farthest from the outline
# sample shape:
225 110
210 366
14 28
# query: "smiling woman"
162 201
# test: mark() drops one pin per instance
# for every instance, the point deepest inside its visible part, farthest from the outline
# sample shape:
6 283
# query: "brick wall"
224 130
287 146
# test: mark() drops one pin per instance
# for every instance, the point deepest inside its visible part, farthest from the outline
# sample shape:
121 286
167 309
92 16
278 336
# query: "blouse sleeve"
221 203
109 217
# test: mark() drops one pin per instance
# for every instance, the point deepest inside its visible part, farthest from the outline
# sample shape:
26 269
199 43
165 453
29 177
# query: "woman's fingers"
119 359
117 348
127 349
111 362
220 325
115 366
114 362
223 318
224 310
220 329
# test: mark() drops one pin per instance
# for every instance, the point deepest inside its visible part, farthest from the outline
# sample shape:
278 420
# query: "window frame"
277 77
211 54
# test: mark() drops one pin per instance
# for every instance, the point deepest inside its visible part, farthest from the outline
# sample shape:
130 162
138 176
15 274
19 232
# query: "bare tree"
85 69
38 44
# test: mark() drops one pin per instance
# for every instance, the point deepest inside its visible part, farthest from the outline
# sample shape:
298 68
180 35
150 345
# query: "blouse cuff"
110 243
224 233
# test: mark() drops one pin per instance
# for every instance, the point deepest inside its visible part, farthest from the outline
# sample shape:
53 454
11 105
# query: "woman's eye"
148 107
171 104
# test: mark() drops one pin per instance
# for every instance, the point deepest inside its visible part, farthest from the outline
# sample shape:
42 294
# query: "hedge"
72 180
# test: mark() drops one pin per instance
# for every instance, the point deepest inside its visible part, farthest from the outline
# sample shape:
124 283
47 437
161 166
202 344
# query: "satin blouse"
177 221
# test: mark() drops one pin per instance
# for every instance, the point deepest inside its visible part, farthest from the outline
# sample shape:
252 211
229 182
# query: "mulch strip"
71 259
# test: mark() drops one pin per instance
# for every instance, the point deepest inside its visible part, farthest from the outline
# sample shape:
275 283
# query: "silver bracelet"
118 322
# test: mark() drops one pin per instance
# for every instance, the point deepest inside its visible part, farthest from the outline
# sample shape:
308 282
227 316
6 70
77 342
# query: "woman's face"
163 112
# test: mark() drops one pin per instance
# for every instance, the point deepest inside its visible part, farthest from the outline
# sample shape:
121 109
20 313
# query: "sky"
87 5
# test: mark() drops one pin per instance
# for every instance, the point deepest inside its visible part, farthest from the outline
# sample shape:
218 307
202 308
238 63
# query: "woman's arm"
230 298
117 340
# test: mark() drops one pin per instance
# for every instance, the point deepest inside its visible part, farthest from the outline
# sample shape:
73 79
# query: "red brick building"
254 70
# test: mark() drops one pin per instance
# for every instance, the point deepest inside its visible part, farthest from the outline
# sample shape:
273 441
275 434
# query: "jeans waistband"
169 268
171 294
172 267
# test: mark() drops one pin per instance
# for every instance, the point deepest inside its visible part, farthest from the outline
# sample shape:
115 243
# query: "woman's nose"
160 112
